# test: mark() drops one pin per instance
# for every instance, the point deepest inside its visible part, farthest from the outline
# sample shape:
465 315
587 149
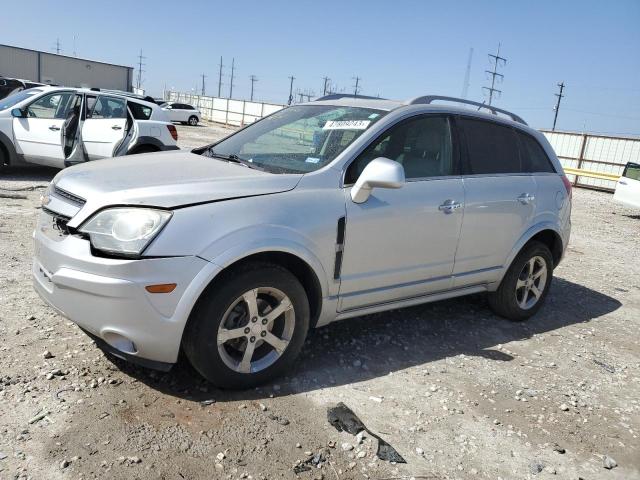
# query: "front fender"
259 239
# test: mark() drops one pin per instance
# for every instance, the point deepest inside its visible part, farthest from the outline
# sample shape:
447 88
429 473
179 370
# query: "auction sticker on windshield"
346 125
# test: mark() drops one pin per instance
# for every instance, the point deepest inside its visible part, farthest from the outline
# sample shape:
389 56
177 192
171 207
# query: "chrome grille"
76 200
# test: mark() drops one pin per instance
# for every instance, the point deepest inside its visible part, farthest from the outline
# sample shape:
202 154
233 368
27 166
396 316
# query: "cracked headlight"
124 231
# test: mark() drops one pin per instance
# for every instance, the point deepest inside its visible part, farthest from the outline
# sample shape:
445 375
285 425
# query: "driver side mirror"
381 172
18 113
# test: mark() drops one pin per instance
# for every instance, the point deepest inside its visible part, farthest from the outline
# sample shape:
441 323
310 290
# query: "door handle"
526 198
449 206
54 127
117 127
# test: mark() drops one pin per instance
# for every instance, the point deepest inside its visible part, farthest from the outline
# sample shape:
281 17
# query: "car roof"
426 102
110 93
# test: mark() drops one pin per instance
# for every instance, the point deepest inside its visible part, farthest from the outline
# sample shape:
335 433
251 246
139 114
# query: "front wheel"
525 285
193 120
249 327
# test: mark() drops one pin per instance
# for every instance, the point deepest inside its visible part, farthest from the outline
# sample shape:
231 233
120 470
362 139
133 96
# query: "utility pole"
557 107
292 78
140 65
465 86
75 54
233 66
203 77
253 79
57 46
497 60
326 85
220 79
355 87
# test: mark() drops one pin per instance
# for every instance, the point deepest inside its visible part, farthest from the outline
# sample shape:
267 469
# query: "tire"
516 299
223 313
193 120
4 159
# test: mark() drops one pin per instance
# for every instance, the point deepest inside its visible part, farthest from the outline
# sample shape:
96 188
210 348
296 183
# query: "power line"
253 79
465 85
140 70
233 66
220 79
203 88
557 107
292 78
355 87
497 60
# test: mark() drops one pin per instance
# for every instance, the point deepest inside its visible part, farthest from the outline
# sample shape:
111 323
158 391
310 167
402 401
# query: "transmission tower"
203 88
557 107
233 67
327 85
220 78
253 79
497 61
290 101
465 86
140 70
356 88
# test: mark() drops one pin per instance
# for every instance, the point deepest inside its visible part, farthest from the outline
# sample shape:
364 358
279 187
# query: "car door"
180 112
628 186
104 126
39 136
401 243
499 200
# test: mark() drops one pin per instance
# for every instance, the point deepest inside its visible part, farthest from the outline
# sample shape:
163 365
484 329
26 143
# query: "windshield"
16 98
298 139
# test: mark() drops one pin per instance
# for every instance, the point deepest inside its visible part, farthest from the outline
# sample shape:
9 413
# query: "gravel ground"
457 391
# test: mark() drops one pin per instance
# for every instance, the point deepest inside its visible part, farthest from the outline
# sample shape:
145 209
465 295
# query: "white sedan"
182 112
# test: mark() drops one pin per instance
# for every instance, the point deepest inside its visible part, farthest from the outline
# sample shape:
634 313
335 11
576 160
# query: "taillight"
173 131
567 185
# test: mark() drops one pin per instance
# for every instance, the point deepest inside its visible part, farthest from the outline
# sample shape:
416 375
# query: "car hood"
167 180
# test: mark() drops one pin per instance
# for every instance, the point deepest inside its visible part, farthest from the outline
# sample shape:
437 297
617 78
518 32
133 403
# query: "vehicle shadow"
362 348
29 174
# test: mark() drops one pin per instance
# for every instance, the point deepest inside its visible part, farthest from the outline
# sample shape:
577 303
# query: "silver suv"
319 212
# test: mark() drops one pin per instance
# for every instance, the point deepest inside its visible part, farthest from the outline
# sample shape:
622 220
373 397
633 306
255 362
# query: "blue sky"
400 49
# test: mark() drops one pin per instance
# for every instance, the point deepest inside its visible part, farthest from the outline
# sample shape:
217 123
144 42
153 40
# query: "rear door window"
108 107
491 148
534 158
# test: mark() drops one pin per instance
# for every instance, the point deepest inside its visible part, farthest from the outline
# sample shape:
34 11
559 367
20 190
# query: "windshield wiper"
235 159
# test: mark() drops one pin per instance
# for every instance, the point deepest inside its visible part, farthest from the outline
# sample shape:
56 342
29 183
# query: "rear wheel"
525 285
4 159
144 149
193 120
249 328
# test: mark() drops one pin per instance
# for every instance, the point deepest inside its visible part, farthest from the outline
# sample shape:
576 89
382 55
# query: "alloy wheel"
531 282
256 330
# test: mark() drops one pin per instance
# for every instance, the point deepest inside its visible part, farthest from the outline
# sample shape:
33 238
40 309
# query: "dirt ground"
457 391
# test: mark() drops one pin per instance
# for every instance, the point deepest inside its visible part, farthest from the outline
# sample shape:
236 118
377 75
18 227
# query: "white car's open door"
104 126
39 134
628 186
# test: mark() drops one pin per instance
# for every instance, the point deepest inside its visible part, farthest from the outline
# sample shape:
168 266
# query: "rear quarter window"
139 111
491 148
535 159
632 171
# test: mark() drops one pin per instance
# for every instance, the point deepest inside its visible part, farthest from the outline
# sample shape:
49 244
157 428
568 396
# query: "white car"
628 186
182 112
59 126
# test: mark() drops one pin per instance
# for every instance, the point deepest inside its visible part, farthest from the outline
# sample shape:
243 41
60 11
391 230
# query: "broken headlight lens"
125 231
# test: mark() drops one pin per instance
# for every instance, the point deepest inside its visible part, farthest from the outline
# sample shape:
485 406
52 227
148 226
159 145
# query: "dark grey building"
45 67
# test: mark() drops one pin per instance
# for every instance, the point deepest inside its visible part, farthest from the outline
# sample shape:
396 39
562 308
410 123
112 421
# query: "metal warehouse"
45 67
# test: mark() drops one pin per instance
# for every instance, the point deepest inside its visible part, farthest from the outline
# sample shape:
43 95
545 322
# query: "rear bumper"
107 297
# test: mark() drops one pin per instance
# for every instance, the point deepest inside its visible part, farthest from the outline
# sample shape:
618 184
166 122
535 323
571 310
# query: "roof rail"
428 99
336 96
